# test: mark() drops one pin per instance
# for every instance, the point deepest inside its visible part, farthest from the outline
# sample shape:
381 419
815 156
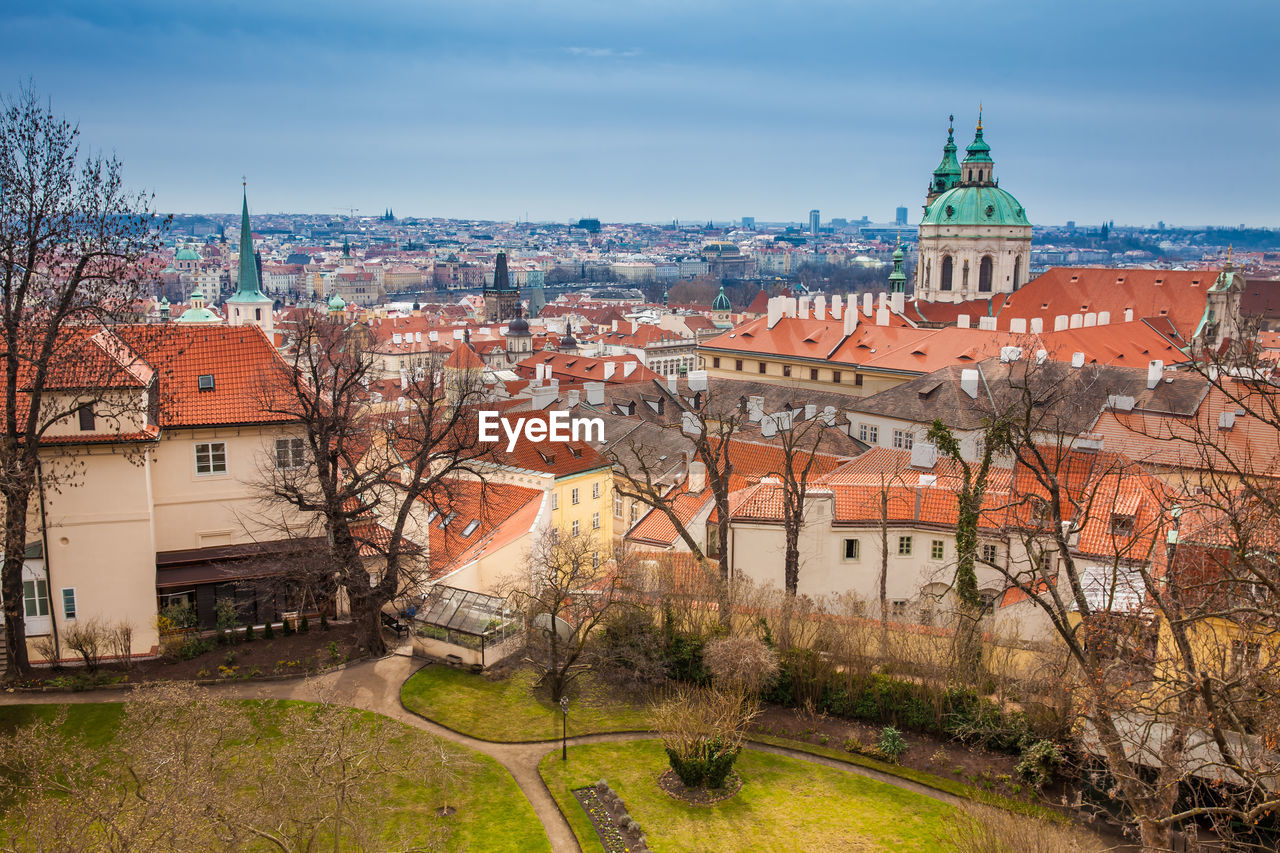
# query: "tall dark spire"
248 285
501 277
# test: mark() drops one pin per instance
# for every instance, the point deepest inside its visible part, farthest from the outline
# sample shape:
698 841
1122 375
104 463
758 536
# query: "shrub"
1039 761
891 743
286 628
324 621
702 732
228 618
268 632
740 663
631 645
88 639
248 633
303 626
334 654
985 830
684 659
193 647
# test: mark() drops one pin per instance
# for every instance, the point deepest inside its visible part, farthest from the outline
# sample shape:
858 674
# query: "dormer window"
205 382
87 421
1121 525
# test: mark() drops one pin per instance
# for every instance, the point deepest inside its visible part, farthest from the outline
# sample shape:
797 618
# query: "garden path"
375 686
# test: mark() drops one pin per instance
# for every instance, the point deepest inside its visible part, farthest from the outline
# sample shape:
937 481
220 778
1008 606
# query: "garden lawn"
784 804
492 813
508 710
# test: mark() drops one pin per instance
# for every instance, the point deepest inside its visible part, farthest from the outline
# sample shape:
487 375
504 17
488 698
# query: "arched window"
984 274
970 178
1017 272
928 272
946 273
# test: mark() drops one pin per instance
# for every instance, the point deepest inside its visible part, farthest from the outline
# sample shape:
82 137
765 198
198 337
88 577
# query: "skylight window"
471 527
444 522
205 382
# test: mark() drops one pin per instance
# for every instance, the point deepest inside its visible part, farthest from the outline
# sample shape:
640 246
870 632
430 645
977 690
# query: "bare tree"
569 590
72 243
800 443
370 476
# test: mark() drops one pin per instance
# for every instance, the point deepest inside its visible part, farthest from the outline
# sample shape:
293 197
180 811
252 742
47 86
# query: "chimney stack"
697 477
969 382
1037 325
595 392
1155 370
962 321
1077 360
835 307
697 380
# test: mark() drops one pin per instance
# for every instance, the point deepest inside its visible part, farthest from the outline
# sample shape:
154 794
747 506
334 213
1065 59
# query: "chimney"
829 415
1090 320
774 311
962 321
1009 354
697 380
539 371
987 323
1042 355
404 379
791 306
810 411
755 408
1120 402
1128 315
697 477
866 304
969 382
882 316
1104 318
689 424
595 392
1154 371
1077 359
1061 322
397 339
543 396
433 336
609 367
1037 325
820 307
1077 321
1226 420
835 307
850 321
924 455
802 308
1018 325
673 384
628 368
882 299
898 302
768 428
615 325
572 397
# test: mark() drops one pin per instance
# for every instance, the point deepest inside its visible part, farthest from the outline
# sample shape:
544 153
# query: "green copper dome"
947 175
721 302
970 205
186 253
978 151
337 303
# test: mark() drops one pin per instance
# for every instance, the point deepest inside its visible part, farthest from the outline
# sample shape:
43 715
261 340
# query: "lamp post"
564 730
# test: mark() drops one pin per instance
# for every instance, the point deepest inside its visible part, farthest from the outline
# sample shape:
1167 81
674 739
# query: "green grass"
508 710
929 780
784 804
492 812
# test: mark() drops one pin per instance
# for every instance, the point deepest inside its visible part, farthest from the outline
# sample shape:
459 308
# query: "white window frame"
595 521
74 604
903 439
617 505
595 491
573 496
211 453
39 595
575 527
857 550
295 453
555 500
990 552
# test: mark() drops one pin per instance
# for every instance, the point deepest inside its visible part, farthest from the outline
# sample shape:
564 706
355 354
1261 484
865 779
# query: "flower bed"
617 831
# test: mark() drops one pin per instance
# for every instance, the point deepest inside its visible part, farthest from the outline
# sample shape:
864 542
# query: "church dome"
186 253
337 303
518 326
721 302
975 205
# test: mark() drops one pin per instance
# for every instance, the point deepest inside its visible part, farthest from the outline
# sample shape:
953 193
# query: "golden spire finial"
979 115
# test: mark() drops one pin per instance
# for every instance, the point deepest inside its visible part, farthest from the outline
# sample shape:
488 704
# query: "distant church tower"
501 299
249 306
975 238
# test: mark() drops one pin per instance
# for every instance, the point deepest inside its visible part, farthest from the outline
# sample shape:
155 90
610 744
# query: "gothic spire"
248 285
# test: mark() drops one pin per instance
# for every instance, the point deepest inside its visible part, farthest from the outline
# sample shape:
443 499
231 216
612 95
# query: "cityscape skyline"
555 111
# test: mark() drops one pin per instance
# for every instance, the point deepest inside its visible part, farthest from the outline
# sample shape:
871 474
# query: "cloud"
604 52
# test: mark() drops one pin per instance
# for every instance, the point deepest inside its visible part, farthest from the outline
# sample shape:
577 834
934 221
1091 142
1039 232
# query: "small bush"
193 647
891 743
303 626
324 621
334 654
88 639
268 632
985 830
852 744
1039 761
286 628
248 633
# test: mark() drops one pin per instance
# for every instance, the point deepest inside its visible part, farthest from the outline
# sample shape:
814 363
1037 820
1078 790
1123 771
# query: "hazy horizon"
658 111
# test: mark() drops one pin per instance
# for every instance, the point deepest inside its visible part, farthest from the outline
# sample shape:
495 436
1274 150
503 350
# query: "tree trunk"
791 561
884 574
366 617
15 534
725 603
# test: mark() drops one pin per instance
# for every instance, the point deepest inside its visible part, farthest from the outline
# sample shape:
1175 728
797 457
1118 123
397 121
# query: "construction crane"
351 211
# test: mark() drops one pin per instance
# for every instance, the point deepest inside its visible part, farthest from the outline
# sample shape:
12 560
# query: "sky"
1132 111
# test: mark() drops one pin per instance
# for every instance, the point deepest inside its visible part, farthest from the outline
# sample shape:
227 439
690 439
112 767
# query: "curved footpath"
375 686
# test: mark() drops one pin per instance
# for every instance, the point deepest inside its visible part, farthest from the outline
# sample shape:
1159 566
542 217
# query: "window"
902 439
984 274
635 512
988 597
595 521
69 602
852 549
989 553
713 540
573 497
1121 525
257 313
937 549
85 414
555 500
35 598
904 546
617 505
762 366
291 453
555 534
946 273
872 435
786 370
1245 654
595 559
595 491
835 376
857 379
211 458
715 362
898 607
737 364
575 528
813 374
205 382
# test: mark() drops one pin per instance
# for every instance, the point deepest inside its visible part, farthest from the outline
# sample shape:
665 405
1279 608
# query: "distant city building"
814 221
501 299
749 223
900 216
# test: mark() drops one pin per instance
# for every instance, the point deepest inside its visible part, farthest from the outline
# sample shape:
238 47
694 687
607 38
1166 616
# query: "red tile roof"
486 516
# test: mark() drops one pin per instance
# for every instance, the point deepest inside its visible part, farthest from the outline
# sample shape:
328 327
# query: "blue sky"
651 111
